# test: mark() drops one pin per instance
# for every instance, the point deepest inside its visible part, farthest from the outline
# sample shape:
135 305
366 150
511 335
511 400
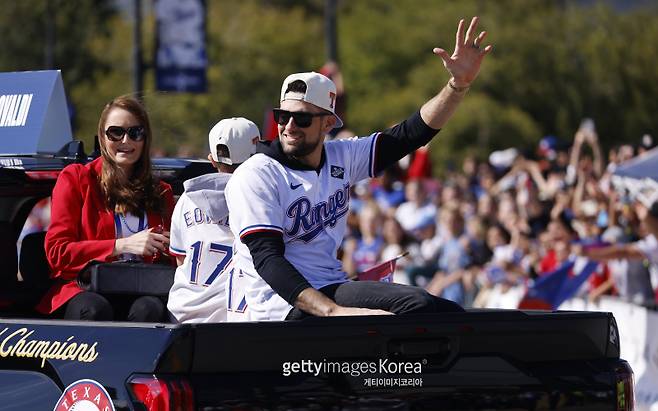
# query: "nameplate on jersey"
337 172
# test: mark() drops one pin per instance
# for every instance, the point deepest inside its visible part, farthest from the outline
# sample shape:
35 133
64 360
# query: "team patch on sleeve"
337 172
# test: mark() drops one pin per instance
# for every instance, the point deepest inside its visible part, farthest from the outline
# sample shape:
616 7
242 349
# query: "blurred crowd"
503 222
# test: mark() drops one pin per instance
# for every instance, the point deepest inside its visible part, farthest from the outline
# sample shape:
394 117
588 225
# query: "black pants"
91 306
396 298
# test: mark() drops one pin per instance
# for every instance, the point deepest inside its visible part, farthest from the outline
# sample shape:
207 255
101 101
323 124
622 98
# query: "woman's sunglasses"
116 133
303 119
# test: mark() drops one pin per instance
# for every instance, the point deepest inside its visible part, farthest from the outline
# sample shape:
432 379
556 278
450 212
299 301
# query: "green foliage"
89 97
252 46
553 63
79 33
480 126
74 26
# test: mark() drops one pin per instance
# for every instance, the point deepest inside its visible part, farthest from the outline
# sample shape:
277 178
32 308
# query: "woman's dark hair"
140 191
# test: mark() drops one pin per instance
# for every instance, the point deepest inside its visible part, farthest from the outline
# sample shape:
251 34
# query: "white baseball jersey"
200 232
308 208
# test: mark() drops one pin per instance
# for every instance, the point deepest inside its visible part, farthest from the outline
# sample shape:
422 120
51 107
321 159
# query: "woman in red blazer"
109 209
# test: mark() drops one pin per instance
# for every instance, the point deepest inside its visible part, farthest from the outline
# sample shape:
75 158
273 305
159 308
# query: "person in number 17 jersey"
200 236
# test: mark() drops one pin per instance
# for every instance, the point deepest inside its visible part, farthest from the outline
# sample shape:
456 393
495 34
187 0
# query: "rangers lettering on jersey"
312 220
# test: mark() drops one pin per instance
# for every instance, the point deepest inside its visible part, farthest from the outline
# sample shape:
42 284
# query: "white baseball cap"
320 91
239 135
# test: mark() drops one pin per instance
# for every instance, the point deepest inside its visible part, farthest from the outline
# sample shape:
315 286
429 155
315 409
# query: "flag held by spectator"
551 290
381 272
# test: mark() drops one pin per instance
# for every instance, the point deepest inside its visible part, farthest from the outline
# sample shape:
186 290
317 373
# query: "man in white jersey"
200 236
288 203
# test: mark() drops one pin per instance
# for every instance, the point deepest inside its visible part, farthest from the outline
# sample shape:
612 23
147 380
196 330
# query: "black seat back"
33 263
8 257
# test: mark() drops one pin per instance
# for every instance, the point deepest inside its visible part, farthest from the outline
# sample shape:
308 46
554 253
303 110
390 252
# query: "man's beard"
301 150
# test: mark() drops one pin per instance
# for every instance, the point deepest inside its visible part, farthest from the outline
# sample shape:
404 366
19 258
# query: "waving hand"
464 63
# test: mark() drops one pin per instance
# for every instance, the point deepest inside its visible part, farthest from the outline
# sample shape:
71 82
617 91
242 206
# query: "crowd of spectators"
502 222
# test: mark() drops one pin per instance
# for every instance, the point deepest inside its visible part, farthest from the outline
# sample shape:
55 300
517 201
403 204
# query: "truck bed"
481 359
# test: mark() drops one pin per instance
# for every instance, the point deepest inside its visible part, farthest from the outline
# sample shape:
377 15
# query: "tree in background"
553 63
38 33
58 34
252 46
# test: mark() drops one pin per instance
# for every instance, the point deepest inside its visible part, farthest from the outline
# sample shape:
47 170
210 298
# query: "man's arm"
464 66
436 112
612 252
267 251
597 164
315 303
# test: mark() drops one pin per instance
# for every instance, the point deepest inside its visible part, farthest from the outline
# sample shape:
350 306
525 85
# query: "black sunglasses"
116 133
303 119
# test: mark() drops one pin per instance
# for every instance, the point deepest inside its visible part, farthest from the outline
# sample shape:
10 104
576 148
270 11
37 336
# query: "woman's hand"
146 243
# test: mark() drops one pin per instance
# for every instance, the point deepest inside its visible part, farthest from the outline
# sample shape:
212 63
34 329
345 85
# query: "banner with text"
34 117
180 55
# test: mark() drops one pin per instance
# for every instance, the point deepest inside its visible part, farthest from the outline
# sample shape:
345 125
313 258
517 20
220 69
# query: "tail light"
42 175
625 384
162 393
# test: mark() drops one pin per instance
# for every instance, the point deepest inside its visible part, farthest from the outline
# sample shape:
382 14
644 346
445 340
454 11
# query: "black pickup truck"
477 360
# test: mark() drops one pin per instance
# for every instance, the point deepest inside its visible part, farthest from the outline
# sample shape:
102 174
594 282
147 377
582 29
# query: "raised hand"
464 63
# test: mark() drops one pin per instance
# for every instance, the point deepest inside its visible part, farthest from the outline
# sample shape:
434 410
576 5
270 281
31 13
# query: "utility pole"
331 42
49 52
138 65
